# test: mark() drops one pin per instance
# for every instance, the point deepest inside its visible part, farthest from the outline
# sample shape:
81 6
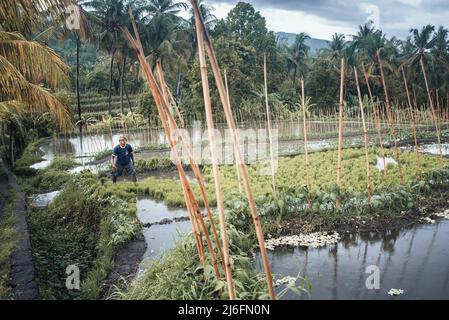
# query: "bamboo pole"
236 164
376 119
214 158
231 124
195 168
340 126
392 130
305 135
433 110
173 101
368 175
193 165
412 118
136 44
268 121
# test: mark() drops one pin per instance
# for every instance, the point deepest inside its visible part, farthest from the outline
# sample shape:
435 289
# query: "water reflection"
415 259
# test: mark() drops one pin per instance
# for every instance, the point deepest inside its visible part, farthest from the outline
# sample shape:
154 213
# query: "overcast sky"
322 18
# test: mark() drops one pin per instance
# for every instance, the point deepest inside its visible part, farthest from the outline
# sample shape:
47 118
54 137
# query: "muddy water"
160 237
415 260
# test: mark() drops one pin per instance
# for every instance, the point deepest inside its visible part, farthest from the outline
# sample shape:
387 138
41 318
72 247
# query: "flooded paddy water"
415 260
160 229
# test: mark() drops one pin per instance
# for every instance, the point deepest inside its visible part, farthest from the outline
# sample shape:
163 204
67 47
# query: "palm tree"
297 53
111 16
336 46
423 41
28 69
209 20
163 36
440 52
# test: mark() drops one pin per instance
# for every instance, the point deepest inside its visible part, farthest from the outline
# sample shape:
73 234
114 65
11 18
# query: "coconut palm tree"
29 70
209 20
336 46
297 54
420 56
163 36
111 16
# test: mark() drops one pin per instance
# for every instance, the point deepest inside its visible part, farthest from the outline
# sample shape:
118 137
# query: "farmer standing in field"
123 159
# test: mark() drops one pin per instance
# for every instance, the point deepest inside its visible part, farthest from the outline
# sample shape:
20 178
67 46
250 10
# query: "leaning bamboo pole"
160 102
194 166
365 133
306 154
340 126
376 119
432 108
392 130
231 124
236 164
214 157
195 170
412 119
267 107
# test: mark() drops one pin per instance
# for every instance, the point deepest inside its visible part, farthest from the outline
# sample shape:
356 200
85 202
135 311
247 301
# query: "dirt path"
23 275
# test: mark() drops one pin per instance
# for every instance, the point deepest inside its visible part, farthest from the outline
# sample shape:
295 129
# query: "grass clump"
30 154
83 227
8 239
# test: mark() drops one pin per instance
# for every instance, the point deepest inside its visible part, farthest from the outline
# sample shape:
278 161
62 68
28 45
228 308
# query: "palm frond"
35 61
14 86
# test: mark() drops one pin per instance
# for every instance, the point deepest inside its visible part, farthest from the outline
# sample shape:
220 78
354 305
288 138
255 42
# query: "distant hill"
314 44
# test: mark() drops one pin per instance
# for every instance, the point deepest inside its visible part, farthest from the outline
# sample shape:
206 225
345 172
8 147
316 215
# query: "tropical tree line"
40 58
241 40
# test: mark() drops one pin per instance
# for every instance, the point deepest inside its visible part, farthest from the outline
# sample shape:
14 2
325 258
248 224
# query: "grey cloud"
351 13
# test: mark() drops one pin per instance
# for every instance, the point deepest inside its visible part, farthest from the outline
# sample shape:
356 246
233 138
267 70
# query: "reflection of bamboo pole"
268 120
158 98
368 175
214 158
243 168
412 118
433 110
340 125
392 130
236 164
305 135
376 119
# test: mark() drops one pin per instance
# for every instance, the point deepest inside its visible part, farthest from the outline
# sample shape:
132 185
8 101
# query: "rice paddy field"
148 155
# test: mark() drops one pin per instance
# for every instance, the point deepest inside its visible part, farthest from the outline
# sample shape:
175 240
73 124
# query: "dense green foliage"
84 226
291 174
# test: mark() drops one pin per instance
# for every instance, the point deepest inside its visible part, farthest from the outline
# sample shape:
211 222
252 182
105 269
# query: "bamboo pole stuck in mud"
194 166
267 107
306 154
231 124
214 157
412 119
340 125
160 104
365 133
236 164
432 108
376 119
389 116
